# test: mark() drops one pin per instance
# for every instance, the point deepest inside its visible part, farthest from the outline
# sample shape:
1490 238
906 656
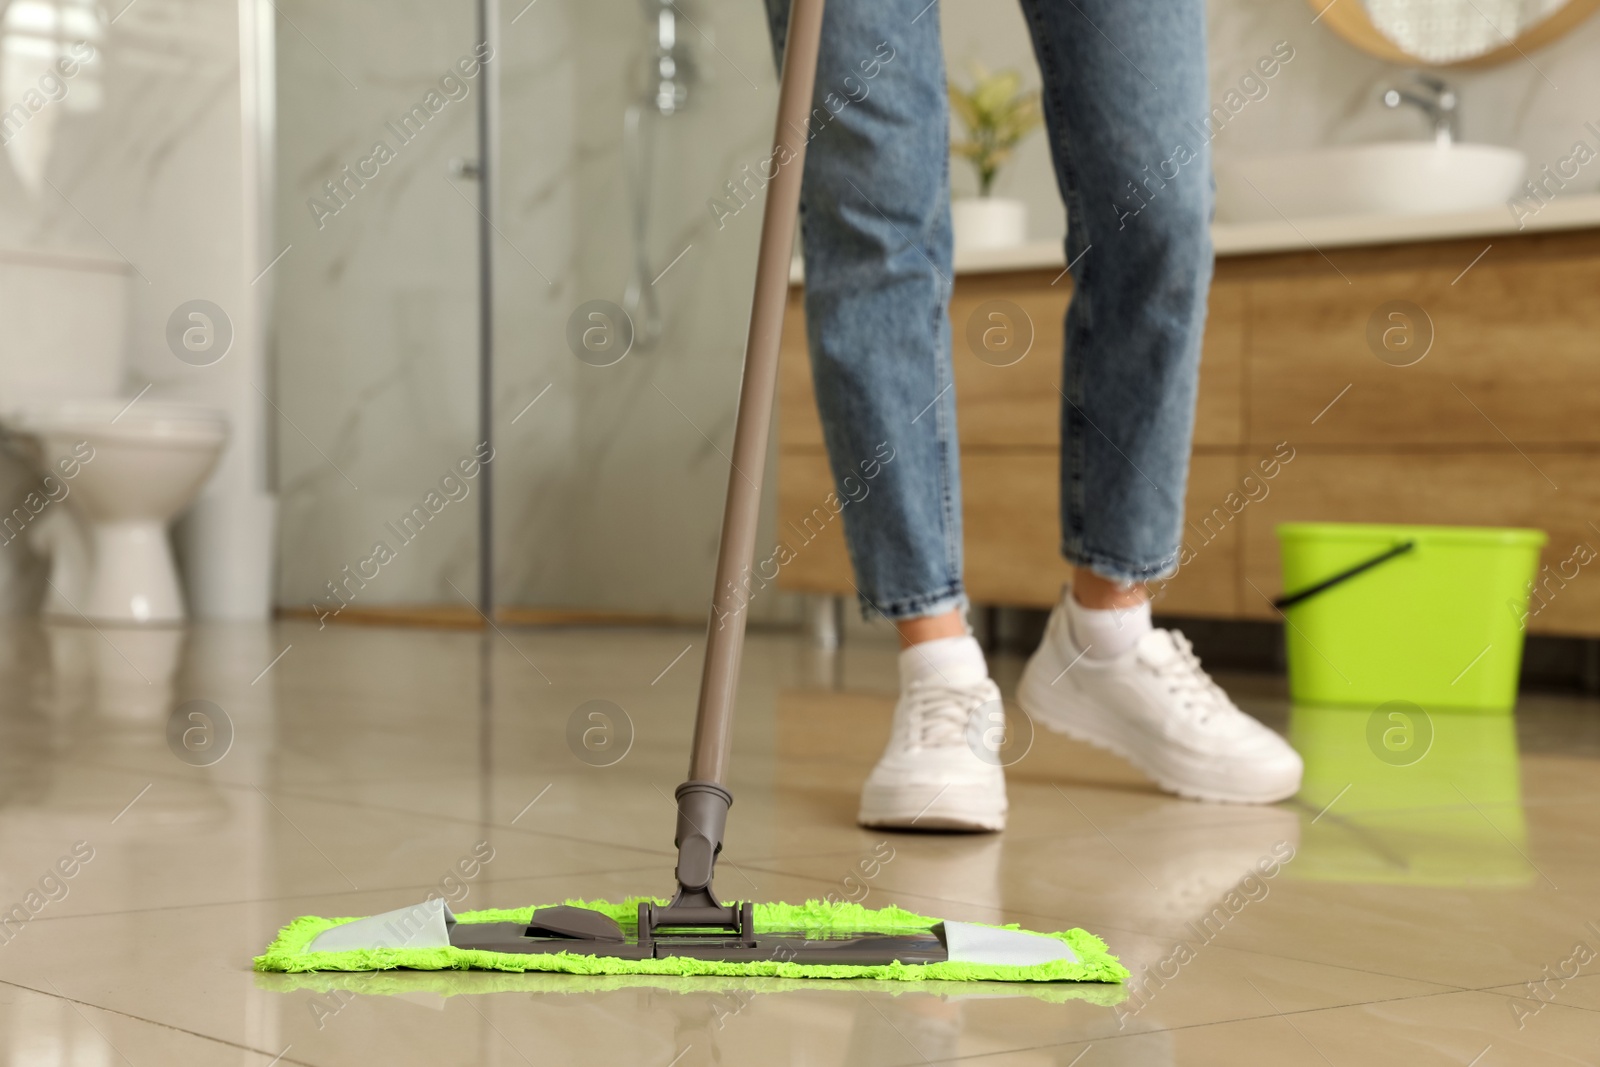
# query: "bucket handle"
1291 599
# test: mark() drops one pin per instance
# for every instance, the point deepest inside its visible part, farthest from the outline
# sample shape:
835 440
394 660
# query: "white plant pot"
988 222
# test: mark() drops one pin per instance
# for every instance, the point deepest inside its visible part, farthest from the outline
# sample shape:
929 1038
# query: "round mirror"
1446 33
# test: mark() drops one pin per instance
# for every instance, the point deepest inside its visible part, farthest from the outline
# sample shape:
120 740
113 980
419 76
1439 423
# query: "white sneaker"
931 776
1158 709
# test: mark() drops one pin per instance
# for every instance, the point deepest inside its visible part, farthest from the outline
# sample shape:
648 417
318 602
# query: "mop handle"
719 681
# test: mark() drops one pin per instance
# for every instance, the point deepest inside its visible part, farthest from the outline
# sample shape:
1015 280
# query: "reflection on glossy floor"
1432 897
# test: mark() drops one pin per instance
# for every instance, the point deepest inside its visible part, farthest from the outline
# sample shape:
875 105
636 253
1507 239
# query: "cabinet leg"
985 622
825 621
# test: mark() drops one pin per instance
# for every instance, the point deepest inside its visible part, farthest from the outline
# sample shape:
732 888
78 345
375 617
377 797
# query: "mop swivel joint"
695 910
702 818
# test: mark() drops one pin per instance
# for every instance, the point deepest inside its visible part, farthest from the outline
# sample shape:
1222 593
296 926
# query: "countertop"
1341 231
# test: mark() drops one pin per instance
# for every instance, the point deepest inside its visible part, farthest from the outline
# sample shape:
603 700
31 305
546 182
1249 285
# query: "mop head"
1085 958
436 987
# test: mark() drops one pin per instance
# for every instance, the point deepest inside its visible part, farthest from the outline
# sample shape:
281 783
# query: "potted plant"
997 115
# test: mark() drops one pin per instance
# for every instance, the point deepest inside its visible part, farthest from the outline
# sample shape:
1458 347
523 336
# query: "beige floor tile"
1463 937
38 1029
1464 1028
188 969
1549 986
1457 1028
1405 909
174 841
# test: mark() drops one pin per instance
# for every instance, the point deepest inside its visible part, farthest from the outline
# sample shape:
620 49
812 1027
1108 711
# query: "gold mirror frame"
1349 19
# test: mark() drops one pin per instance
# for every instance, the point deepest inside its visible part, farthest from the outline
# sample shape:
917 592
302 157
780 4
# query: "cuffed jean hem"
1119 570
916 607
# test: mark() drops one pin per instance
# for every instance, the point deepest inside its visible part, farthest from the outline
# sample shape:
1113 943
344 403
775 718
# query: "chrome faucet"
1435 98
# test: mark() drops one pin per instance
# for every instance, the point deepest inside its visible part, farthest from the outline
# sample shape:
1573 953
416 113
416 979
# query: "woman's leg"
875 222
1125 99
875 219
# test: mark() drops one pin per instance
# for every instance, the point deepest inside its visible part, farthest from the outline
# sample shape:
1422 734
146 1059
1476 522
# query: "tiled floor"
1423 895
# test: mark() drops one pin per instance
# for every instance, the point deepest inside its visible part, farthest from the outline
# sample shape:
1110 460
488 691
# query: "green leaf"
997 115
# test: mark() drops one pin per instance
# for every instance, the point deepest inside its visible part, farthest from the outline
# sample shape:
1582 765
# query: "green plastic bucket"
1428 614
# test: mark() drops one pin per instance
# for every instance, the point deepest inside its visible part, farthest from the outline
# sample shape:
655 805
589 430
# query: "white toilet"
109 472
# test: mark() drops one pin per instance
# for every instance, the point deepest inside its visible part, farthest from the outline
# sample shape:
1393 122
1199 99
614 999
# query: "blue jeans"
1125 95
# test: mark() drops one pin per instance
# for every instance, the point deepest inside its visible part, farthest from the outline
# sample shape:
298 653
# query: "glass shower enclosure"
509 354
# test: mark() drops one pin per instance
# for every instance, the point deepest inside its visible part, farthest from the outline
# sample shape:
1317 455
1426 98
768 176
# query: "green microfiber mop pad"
290 952
447 984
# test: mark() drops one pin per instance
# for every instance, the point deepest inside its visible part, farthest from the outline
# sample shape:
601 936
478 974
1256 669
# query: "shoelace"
938 713
1188 681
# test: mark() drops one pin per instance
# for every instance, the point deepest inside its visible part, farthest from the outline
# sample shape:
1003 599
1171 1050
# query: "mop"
693 933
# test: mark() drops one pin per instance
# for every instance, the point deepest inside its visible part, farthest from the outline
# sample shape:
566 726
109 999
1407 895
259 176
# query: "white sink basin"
1396 178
